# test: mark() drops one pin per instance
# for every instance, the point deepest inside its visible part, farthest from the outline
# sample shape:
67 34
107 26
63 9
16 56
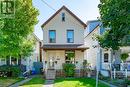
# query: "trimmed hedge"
9 71
69 69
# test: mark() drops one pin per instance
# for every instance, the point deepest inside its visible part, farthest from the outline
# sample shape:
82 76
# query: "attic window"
63 17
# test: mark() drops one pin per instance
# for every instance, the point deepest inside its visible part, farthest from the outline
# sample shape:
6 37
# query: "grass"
34 82
77 82
4 82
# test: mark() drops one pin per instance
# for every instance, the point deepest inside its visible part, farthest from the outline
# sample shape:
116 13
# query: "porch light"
76 62
55 62
45 62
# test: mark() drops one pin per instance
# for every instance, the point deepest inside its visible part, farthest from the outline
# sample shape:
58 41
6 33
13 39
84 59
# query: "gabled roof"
91 26
63 7
36 37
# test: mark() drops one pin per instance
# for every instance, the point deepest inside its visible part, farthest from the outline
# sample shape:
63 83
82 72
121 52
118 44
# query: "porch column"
17 61
10 60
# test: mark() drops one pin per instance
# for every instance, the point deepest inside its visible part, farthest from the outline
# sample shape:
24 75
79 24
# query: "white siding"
91 53
61 28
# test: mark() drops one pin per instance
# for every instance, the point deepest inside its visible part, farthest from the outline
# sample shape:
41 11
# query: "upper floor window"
63 17
106 57
70 36
52 36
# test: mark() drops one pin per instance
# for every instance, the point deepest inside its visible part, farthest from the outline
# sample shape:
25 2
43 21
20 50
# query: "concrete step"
50 74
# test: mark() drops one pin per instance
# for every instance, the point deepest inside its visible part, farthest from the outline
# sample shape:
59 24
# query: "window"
69 56
106 57
52 36
14 61
70 36
63 17
3 61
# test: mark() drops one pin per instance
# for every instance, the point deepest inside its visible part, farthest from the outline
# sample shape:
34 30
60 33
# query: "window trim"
67 35
49 36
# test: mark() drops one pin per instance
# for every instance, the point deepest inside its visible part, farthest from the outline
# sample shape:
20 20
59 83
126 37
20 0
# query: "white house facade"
63 33
97 56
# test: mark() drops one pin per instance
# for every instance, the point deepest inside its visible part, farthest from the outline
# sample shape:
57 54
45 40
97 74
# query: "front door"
51 63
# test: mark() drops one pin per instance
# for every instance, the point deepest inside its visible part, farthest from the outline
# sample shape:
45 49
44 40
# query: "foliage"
14 32
70 55
69 69
7 81
85 62
115 14
86 65
119 82
124 56
13 70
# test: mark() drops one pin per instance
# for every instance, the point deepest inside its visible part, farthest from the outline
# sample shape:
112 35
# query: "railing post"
126 73
114 73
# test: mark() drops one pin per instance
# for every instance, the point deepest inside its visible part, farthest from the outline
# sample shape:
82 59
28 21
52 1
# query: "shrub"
10 71
69 69
124 56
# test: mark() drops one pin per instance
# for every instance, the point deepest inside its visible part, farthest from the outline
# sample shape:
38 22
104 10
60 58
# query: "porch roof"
64 47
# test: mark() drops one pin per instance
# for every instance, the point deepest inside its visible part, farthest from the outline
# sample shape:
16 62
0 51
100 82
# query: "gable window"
52 36
63 17
106 57
70 36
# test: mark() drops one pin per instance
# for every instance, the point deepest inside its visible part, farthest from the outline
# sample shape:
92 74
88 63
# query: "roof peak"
71 13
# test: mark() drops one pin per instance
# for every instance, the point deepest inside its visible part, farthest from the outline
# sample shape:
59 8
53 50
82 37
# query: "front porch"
53 59
56 55
123 70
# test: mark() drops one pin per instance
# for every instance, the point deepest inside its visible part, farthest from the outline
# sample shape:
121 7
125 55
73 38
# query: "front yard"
4 82
35 82
64 82
77 82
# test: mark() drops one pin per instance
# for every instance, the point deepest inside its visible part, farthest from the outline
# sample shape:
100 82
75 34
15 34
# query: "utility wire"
48 5
53 8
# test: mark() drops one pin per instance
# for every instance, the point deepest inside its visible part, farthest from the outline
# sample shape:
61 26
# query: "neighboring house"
63 34
97 55
28 62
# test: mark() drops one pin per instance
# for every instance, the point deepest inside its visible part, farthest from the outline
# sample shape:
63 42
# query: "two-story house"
101 58
63 34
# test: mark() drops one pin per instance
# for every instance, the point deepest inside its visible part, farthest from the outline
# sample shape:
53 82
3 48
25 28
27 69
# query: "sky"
84 9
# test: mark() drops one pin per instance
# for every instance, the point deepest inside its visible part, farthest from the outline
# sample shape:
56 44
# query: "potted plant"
124 56
87 68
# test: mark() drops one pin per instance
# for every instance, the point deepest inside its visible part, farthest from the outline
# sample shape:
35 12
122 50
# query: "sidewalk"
48 83
20 83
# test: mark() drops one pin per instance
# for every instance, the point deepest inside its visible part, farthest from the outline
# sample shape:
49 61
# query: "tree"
14 33
115 14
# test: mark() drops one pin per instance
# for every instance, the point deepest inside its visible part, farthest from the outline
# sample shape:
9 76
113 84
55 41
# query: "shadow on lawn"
77 82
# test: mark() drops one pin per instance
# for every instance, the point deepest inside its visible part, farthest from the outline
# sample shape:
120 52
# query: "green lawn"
77 82
4 82
34 82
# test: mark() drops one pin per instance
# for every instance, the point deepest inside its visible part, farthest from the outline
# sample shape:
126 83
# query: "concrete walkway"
48 83
20 83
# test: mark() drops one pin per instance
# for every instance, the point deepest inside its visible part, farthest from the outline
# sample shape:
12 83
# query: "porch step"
50 74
